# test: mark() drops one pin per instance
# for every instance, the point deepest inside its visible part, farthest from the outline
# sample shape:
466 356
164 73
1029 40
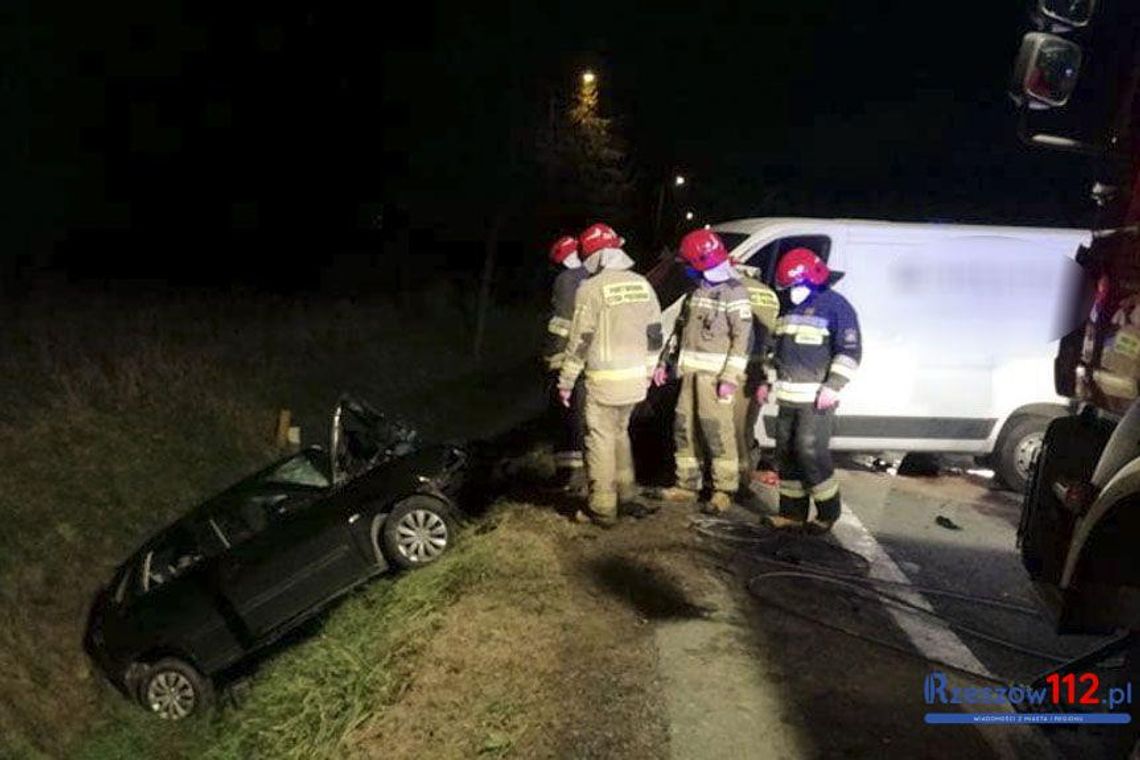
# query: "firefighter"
746 408
817 352
711 341
615 338
568 443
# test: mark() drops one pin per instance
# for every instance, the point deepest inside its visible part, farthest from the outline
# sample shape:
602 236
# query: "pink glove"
826 399
565 396
762 394
660 376
725 390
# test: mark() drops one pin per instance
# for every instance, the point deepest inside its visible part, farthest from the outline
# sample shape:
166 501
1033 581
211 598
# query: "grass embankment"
116 417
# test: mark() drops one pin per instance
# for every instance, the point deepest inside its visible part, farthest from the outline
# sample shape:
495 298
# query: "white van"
959 329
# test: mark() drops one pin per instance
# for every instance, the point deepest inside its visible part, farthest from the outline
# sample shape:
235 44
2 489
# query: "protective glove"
564 395
762 394
725 391
660 375
826 399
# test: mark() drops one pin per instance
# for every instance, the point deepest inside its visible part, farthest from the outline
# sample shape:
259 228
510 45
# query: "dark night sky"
168 132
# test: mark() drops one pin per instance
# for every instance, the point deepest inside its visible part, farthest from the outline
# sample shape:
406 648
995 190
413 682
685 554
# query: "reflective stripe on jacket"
558 328
714 332
817 343
615 337
765 310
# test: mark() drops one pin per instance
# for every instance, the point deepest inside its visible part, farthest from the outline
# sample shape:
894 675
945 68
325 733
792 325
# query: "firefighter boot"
577 484
718 504
818 527
588 516
678 494
784 523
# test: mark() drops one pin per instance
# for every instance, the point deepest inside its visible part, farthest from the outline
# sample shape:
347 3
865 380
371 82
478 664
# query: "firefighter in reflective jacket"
568 440
711 341
765 309
615 338
817 352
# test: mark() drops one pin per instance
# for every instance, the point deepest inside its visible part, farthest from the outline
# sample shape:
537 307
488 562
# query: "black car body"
250 564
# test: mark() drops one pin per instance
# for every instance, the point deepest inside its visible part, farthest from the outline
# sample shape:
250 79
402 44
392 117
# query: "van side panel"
958 329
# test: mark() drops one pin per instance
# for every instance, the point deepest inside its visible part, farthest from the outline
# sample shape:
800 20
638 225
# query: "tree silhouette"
584 163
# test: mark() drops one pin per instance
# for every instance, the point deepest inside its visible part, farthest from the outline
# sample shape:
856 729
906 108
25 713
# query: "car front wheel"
418 531
174 690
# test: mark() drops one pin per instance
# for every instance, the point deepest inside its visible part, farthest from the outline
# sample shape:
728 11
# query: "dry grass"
535 662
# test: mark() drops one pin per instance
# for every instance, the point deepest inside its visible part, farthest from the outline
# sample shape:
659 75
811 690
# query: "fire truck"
1075 81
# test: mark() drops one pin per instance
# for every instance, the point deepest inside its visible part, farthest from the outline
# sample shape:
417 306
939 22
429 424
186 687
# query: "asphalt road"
848 668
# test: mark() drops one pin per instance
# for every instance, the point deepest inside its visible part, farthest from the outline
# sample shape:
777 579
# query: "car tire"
418 531
1017 448
174 690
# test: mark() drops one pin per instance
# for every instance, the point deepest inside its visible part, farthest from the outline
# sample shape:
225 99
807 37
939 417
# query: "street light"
679 180
688 216
588 77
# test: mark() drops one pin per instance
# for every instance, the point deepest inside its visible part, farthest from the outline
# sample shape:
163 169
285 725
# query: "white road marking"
935 640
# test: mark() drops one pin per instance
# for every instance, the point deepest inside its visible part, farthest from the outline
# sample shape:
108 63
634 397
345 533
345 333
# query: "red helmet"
703 250
800 266
599 236
562 248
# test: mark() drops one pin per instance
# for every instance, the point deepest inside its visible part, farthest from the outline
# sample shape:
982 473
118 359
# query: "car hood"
362 437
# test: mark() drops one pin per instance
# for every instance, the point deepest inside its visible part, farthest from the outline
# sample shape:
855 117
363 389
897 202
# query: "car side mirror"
1074 13
1046 70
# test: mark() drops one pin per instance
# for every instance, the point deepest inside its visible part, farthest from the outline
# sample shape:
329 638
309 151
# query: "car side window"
173 555
242 518
300 470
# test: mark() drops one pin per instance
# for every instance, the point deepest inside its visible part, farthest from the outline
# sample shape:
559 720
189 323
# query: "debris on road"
947 523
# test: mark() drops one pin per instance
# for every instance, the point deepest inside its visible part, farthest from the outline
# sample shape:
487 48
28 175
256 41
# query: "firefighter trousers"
745 412
570 433
704 428
803 456
609 457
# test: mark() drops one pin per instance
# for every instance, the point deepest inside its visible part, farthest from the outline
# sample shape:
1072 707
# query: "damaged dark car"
252 563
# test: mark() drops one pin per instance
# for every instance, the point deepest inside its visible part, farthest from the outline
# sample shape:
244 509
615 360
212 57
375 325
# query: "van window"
764 260
669 280
731 239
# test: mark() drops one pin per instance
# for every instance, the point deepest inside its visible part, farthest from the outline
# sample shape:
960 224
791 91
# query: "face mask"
798 294
720 273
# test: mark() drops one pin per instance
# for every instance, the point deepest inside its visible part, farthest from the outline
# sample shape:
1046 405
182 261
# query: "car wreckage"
252 563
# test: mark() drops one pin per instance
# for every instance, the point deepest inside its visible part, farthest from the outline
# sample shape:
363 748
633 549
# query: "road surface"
786 666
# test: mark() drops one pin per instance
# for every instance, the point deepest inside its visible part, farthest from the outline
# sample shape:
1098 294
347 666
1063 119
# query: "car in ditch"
250 564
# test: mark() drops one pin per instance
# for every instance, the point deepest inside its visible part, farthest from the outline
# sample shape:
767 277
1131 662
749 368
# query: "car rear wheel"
174 690
418 531
1017 448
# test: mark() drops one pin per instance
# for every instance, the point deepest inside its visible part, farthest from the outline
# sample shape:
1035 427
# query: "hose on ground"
867 587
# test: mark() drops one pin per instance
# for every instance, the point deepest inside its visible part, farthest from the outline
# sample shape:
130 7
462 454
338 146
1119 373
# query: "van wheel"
1016 450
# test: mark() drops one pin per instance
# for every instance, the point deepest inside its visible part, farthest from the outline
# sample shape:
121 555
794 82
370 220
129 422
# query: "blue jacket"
816 343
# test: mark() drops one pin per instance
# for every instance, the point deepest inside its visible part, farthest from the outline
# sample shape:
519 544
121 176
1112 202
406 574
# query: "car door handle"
354 518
